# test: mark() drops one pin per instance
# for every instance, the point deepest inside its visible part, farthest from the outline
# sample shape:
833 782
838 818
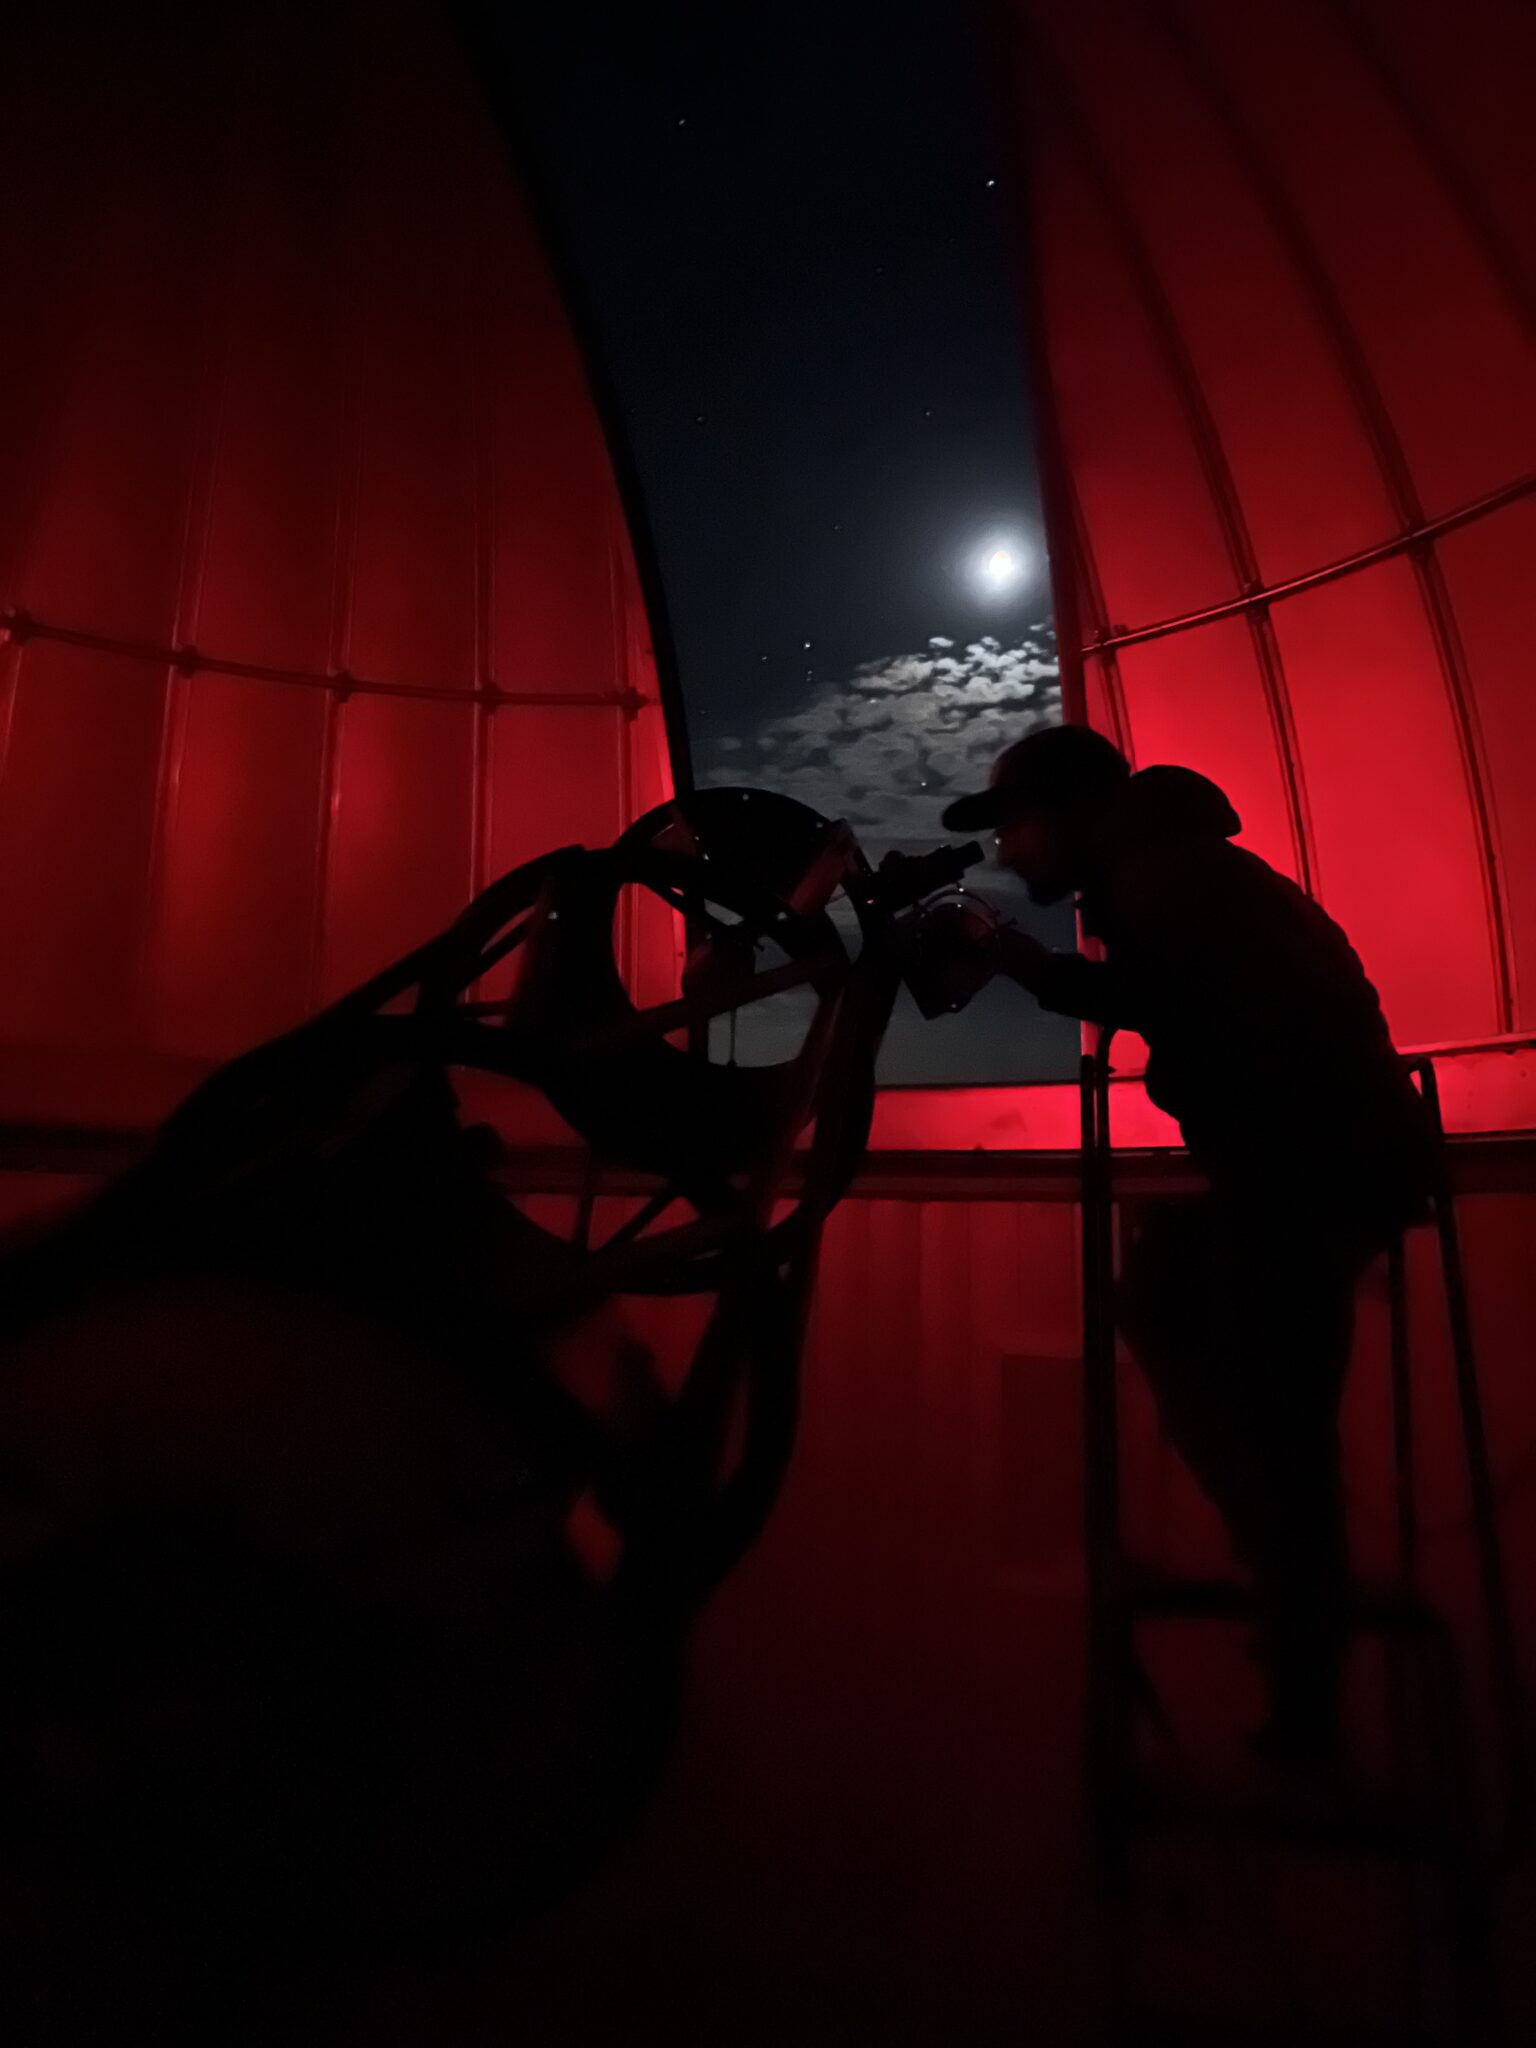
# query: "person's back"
1266 1038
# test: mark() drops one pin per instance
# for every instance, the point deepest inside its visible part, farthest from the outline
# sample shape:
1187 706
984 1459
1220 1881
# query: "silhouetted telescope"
311 1356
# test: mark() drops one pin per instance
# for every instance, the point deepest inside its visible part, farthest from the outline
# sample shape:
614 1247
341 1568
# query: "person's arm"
1067 983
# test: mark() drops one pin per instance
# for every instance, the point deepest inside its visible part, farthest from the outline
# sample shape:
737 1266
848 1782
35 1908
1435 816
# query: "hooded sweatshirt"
1266 1039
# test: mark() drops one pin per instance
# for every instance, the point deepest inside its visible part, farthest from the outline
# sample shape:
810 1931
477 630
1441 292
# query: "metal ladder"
1125 1808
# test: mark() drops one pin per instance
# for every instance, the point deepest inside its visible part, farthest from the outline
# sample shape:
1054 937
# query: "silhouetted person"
1268 1045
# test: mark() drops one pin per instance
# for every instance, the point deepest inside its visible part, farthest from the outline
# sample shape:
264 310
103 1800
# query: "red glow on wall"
1283 284
324 609
323 606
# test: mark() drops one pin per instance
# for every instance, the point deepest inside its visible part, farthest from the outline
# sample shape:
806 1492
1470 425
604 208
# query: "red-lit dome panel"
1282 286
322 603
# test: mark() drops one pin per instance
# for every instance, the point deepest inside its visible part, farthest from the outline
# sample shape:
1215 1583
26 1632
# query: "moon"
1000 566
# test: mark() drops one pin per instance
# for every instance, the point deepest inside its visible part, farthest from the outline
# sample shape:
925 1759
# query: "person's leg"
1242 1328
1292 1349
1169 1312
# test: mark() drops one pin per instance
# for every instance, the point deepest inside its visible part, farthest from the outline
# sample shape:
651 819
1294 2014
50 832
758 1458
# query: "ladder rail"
1108 1647
1112 1603
1492 1574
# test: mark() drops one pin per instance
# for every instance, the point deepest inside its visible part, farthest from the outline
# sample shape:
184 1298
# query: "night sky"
789 226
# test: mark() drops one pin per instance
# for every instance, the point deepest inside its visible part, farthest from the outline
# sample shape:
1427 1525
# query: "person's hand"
1021 957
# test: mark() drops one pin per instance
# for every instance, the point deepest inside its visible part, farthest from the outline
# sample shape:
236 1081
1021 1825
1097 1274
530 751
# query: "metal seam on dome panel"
325 818
486 59
483 522
1209 451
1382 439
1066 544
1080 569
10 689
1447 634
202 471
1107 658
1347 349
1394 85
479 799
1445 637
343 605
1287 743
19 627
344 534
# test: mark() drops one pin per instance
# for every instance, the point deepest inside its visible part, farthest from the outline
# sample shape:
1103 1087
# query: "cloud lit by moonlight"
889 747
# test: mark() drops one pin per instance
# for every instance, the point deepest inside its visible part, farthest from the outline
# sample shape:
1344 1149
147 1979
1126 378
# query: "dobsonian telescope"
350 1548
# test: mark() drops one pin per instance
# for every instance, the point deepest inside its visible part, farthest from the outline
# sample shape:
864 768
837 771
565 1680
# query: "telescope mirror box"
941 924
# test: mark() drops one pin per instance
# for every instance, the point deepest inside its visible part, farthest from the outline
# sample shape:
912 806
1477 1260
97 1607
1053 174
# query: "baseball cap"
1047 770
